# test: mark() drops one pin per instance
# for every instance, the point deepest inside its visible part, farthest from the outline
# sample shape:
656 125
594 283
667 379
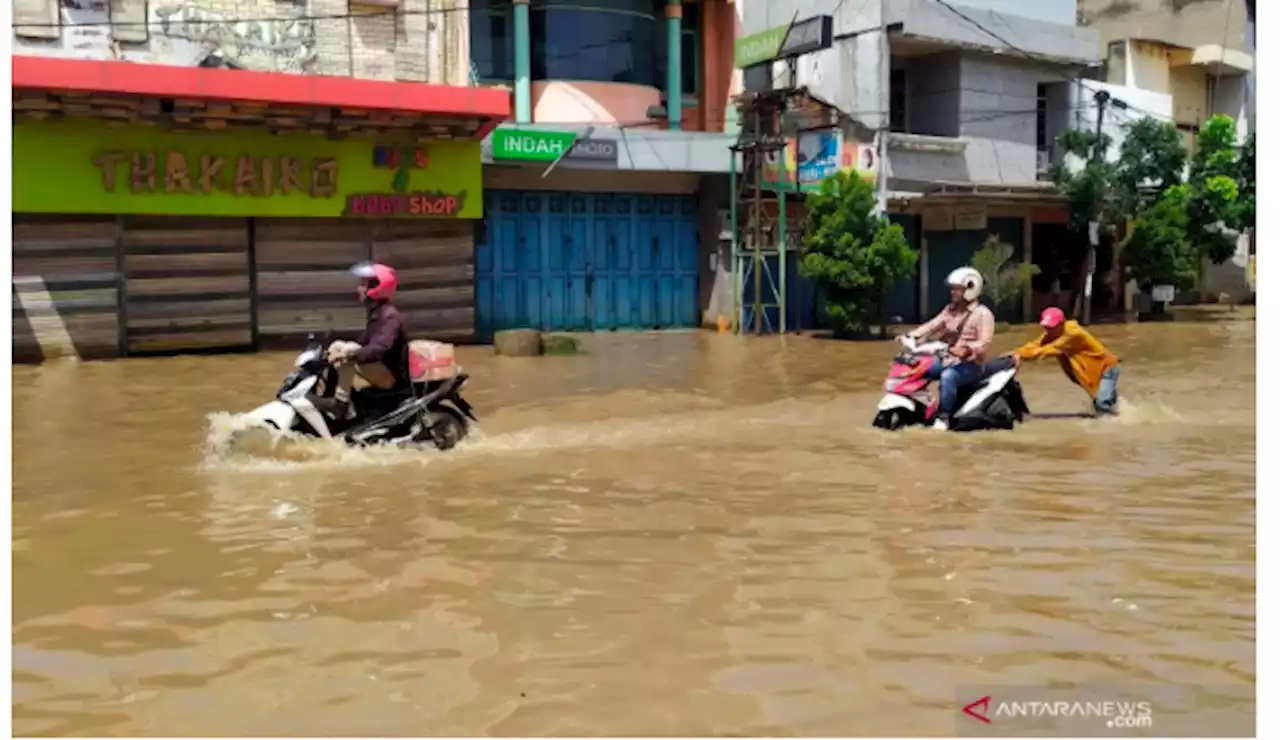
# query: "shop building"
161 209
597 230
963 96
604 202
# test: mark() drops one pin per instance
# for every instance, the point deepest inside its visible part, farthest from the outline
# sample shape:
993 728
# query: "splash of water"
1145 411
234 442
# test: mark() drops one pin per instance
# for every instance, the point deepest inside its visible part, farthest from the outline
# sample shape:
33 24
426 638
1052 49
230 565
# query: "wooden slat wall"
435 261
187 283
304 283
75 256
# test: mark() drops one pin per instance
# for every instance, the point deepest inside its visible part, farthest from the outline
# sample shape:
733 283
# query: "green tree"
853 255
1215 208
1152 159
1088 189
1248 183
1004 280
1159 249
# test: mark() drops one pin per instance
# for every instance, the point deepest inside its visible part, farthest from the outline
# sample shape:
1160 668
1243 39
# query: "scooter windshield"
307 356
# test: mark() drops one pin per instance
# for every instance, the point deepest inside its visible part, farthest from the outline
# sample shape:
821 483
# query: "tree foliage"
1176 225
1215 209
1004 280
853 255
1159 249
1152 159
1088 188
1248 180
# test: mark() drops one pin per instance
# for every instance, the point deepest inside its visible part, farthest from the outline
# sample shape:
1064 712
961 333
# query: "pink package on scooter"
430 361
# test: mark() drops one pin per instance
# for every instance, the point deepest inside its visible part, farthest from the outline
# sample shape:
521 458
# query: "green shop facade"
140 240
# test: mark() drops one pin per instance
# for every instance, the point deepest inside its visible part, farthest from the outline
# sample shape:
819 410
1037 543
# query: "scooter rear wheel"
444 428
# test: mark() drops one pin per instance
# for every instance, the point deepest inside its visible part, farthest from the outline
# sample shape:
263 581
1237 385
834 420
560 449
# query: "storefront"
595 230
178 241
226 219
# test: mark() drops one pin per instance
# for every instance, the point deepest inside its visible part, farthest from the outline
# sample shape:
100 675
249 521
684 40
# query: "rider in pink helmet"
381 355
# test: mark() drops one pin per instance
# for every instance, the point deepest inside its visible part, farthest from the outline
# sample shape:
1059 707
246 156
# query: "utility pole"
1100 98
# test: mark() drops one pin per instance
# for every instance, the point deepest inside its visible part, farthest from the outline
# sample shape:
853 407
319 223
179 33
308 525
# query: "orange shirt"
1082 356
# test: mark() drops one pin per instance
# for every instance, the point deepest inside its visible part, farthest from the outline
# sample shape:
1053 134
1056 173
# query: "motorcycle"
995 401
430 411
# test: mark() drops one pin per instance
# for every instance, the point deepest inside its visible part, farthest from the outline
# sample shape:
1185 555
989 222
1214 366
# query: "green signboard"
90 167
758 47
531 145
784 42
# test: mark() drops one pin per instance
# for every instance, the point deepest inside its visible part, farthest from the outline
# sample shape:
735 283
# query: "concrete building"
199 174
960 91
615 235
603 197
1195 52
1198 56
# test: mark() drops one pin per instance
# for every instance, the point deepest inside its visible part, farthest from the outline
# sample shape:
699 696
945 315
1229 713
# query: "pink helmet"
1052 317
382 280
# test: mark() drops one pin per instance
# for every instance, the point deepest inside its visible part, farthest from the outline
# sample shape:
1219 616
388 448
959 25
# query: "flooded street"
679 534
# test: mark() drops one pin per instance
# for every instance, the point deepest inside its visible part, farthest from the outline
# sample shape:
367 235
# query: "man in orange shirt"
1084 359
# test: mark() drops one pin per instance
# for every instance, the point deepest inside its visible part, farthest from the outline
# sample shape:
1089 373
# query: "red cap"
1052 317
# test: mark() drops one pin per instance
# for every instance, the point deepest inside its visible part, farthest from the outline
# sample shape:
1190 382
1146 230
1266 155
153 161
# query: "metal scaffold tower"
756 227
762 233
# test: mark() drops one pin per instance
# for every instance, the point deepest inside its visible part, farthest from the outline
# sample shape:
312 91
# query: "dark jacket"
385 340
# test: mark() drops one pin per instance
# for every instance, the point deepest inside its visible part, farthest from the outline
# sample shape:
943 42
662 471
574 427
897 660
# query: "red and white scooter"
994 402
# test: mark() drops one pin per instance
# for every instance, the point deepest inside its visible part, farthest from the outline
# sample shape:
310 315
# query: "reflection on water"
676 534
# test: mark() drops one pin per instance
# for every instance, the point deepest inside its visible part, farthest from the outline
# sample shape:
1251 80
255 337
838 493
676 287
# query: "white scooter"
431 410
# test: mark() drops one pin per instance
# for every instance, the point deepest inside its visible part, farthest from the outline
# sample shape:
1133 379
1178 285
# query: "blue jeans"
953 379
1107 399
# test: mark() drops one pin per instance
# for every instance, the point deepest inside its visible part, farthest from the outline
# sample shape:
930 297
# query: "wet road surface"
675 534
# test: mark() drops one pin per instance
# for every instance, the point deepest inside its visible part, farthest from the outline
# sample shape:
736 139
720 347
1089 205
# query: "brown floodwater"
675 534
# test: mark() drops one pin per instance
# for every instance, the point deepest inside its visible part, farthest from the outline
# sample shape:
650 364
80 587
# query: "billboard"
813 156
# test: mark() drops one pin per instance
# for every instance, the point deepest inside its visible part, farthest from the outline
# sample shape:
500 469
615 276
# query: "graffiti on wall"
285 44
279 37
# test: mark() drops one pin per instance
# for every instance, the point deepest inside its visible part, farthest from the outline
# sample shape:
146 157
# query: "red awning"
234 85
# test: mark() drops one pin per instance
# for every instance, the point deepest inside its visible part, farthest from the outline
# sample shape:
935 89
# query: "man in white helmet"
968 327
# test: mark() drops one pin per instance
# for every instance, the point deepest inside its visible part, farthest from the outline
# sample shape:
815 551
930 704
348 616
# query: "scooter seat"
1000 364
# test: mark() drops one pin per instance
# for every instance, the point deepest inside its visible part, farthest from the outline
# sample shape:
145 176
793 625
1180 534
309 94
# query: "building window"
898 101
1042 118
690 49
493 41
1116 72
595 40
591 40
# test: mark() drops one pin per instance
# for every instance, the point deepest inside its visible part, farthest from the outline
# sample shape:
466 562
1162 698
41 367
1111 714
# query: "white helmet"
969 279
